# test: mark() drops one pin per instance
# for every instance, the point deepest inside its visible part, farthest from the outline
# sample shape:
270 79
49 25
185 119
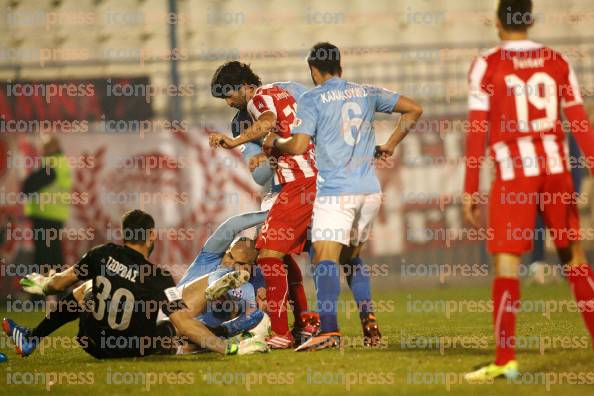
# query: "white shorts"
346 219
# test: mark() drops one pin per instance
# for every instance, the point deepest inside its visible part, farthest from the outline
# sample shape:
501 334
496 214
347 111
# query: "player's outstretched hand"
256 161
471 210
34 283
268 142
217 139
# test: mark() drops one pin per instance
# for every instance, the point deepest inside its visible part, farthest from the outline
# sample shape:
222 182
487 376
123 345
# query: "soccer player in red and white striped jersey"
517 94
272 108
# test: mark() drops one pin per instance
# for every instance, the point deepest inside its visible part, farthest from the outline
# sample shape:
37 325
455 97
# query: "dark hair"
515 15
325 57
136 225
231 76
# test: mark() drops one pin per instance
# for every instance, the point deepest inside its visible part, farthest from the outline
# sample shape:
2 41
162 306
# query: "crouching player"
224 252
125 294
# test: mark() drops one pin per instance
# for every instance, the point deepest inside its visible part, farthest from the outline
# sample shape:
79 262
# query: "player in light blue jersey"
222 253
338 115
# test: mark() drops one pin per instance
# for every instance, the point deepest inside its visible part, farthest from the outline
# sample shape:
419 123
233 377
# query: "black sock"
66 311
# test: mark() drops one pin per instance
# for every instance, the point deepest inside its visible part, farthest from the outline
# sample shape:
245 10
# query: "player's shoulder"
312 94
162 275
484 61
295 88
100 250
268 89
554 56
487 57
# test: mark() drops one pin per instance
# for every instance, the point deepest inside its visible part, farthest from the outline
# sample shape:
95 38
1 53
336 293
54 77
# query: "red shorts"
514 204
285 228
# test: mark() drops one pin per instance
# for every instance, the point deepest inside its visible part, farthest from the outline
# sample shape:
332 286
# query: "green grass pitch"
410 362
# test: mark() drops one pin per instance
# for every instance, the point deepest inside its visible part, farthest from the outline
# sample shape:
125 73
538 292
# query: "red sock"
297 297
506 296
275 275
581 280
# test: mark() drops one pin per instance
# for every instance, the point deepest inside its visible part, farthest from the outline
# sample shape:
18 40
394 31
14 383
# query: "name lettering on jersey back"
337 94
121 270
282 95
532 63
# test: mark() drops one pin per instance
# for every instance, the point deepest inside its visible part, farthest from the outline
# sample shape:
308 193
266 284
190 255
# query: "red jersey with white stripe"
517 94
289 168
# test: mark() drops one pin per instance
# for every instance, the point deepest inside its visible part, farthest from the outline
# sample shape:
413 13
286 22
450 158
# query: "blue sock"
327 281
360 285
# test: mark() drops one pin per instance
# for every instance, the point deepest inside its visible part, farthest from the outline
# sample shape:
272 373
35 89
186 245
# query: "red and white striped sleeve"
260 104
479 103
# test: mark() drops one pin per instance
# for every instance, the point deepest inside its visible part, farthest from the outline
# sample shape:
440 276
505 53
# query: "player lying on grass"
126 294
224 251
338 116
517 92
285 230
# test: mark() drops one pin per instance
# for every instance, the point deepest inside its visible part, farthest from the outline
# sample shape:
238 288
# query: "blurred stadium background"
160 55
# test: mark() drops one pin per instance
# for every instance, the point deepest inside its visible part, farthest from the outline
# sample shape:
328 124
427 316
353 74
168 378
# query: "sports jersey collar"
135 253
332 80
520 45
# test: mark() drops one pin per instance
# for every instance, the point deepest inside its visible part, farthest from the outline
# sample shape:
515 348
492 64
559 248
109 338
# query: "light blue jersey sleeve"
385 100
263 174
215 247
220 240
294 88
306 118
203 264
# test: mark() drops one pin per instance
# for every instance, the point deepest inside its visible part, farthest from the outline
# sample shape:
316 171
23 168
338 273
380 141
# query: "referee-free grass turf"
431 337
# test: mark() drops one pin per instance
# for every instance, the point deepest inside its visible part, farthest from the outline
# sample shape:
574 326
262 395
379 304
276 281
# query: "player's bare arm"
295 145
256 131
259 129
411 111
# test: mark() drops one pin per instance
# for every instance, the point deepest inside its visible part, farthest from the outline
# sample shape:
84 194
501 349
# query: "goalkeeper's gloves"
246 346
35 283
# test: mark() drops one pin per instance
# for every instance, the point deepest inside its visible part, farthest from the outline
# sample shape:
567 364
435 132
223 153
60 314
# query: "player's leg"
562 219
66 310
297 298
327 283
283 233
271 263
358 273
581 279
332 221
512 216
